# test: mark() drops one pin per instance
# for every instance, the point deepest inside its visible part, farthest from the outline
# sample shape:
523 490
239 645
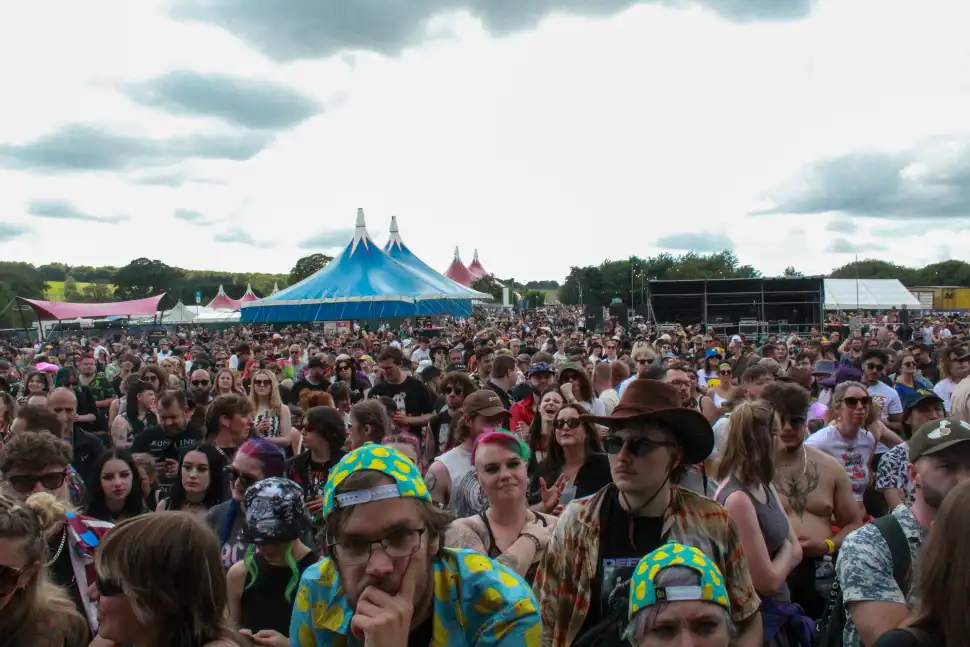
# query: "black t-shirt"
618 557
504 396
160 445
908 638
410 396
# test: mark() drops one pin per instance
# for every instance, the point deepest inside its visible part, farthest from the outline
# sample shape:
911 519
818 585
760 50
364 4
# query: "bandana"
408 482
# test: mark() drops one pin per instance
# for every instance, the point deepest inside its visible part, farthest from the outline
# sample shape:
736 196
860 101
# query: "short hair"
756 372
373 413
39 419
619 371
877 353
504 439
224 405
768 350
483 351
34 452
677 366
502 365
790 399
339 391
170 397
393 354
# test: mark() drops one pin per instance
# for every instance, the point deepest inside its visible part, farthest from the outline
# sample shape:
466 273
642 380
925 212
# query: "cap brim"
942 447
693 431
492 411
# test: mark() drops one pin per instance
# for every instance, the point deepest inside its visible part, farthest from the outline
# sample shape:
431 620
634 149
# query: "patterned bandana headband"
408 482
644 593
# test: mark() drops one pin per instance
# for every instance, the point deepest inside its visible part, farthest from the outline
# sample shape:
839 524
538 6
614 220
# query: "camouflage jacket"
865 567
563 584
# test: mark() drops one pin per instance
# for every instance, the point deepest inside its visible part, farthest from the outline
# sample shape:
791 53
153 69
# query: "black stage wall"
793 302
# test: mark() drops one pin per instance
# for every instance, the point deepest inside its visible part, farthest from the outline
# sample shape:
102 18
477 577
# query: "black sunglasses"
25 484
854 402
235 475
448 390
875 367
200 382
562 423
637 446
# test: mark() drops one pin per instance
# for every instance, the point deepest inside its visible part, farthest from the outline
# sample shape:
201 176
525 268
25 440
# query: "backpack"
828 630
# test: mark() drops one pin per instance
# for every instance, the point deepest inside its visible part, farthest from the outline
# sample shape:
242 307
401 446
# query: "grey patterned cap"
275 511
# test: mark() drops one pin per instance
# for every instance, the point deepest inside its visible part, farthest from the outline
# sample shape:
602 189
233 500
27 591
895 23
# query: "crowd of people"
509 479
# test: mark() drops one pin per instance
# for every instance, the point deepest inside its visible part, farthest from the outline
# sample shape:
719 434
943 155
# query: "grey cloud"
695 242
83 147
327 239
60 210
240 237
194 217
928 182
10 230
250 103
287 30
843 246
842 227
171 178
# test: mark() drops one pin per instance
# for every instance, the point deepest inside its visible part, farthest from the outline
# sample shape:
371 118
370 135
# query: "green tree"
489 285
534 298
308 266
871 268
144 277
542 285
96 293
18 280
54 271
71 292
791 272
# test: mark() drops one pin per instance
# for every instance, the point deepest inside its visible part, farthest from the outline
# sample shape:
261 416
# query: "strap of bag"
893 533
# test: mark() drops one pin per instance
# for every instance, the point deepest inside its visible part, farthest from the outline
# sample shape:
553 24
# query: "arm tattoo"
460 535
511 561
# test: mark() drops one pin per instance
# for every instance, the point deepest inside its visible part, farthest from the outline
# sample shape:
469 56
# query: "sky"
240 135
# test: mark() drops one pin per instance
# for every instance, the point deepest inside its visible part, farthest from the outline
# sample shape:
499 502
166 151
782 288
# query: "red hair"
504 438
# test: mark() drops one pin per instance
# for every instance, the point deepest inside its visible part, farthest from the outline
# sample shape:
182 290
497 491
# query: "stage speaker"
620 312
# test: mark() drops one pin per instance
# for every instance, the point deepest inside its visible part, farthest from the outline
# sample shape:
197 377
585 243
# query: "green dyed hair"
253 571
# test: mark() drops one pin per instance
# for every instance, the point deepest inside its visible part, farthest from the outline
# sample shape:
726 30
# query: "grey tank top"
773 522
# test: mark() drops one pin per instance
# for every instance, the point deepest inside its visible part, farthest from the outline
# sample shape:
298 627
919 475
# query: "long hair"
275 403
554 460
40 603
943 576
749 448
169 566
131 397
328 423
585 388
234 387
134 502
535 430
217 469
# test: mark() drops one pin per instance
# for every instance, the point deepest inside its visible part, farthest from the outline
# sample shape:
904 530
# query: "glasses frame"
334 545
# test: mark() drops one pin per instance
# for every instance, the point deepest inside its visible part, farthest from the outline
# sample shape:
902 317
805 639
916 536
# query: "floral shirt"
477 603
892 474
101 388
564 582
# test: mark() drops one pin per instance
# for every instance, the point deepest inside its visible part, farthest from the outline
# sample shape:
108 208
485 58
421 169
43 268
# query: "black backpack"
828 630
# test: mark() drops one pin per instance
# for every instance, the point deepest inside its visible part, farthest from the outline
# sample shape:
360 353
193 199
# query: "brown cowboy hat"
659 401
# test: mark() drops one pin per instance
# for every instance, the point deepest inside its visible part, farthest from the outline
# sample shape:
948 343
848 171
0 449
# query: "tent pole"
23 320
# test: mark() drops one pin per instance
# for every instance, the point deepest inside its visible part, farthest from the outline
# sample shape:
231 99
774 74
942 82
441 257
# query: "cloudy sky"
242 134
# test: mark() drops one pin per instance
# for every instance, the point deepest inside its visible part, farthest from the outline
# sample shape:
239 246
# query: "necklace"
60 548
794 481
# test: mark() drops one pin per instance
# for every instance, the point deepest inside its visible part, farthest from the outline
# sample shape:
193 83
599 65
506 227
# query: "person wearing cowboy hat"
599 540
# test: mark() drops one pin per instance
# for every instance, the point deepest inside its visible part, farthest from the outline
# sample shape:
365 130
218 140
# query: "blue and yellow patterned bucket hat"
644 593
408 481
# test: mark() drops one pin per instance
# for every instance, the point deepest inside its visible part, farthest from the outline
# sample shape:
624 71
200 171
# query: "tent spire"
360 232
457 256
394 239
276 287
475 258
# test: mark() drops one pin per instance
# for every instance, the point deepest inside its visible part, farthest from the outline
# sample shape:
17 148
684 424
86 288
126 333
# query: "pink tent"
476 267
64 311
458 273
249 296
223 302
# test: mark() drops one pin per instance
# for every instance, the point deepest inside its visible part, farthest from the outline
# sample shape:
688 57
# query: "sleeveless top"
771 519
494 551
274 423
263 604
138 426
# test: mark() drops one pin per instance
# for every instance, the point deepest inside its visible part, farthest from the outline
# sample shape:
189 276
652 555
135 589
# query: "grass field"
55 290
551 296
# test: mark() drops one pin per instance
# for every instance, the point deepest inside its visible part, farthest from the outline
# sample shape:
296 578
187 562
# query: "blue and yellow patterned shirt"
477 603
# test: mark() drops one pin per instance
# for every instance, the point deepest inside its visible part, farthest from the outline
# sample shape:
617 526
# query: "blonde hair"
275 403
40 605
169 566
749 448
960 401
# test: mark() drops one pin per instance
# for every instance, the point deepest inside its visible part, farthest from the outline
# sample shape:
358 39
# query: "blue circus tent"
362 283
396 249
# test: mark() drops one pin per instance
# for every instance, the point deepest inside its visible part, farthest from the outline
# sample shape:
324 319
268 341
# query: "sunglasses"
235 475
25 484
908 364
448 390
724 372
200 382
875 367
10 578
637 446
262 383
562 423
108 588
854 402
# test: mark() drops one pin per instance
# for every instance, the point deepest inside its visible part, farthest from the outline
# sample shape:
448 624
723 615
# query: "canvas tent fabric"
248 296
222 302
362 283
476 268
868 294
396 249
64 311
183 314
458 273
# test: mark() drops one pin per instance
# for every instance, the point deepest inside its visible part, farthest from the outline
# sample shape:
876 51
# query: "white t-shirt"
945 389
887 398
419 354
854 454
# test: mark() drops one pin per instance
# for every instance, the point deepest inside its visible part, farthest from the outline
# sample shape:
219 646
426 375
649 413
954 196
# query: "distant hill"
542 285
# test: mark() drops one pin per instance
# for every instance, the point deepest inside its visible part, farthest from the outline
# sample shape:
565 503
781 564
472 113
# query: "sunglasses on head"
854 402
562 423
637 446
25 484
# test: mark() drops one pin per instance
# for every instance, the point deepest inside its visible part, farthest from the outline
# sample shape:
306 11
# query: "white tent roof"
867 294
219 316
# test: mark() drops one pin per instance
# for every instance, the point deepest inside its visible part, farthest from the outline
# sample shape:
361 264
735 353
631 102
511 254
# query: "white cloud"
584 138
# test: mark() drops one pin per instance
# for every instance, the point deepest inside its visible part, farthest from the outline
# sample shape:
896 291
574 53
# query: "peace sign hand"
549 497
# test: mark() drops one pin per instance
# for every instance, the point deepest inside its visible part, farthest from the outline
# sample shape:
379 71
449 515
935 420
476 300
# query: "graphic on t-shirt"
855 467
399 402
616 574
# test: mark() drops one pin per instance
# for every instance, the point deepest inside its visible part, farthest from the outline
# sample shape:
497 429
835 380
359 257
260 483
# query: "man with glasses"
874 364
817 495
40 462
643 358
387 578
583 579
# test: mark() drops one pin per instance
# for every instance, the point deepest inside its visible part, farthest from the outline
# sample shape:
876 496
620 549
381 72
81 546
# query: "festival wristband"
533 538
831 545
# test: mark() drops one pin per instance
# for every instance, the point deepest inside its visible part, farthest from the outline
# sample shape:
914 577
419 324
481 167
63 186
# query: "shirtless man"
816 493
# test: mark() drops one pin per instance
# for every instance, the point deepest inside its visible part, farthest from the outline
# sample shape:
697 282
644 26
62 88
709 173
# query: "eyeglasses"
10 578
908 364
562 423
108 588
262 383
724 372
400 543
680 382
637 446
796 422
875 367
854 402
244 479
448 390
200 382
25 484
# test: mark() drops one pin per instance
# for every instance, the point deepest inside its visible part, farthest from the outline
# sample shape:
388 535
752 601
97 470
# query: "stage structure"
751 306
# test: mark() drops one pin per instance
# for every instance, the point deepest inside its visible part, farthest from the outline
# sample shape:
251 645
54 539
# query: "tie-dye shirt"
477 603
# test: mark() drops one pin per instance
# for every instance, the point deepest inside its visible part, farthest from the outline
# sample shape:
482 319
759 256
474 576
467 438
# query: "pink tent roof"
476 267
249 296
458 273
223 302
63 311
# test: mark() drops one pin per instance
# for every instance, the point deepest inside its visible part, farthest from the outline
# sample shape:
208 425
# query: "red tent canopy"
476 267
62 311
458 273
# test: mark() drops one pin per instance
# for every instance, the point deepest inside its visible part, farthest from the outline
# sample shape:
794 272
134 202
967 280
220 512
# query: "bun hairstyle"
48 509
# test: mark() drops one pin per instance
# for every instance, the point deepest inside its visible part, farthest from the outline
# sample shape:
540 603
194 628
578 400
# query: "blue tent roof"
362 283
396 249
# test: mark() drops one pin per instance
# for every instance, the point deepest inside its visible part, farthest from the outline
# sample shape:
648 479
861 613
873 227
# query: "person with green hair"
262 587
